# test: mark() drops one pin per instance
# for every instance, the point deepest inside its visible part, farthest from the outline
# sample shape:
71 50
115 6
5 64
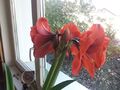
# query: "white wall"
6 27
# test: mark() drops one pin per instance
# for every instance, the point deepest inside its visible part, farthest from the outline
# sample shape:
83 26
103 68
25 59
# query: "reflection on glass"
84 13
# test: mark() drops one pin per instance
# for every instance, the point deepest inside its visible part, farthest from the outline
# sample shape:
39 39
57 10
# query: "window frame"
37 11
18 62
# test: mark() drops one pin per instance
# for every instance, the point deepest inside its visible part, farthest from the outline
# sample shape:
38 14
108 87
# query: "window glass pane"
84 13
23 14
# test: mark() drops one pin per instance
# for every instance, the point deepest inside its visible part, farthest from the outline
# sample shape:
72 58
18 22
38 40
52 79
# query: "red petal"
76 65
40 40
42 51
33 33
42 45
74 49
89 65
43 26
91 38
100 55
85 42
98 30
72 30
105 45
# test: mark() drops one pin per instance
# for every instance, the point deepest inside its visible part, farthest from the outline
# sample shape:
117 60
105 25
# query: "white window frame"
18 62
37 11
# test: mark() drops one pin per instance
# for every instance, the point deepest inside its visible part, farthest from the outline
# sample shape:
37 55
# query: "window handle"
30 53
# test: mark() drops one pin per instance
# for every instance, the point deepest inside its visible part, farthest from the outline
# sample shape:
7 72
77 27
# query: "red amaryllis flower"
73 34
42 37
92 54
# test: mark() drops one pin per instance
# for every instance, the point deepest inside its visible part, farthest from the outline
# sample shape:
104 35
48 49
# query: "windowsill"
16 79
61 77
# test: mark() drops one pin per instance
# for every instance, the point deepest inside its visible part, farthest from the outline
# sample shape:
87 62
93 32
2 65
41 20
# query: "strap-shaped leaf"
62 85
9 78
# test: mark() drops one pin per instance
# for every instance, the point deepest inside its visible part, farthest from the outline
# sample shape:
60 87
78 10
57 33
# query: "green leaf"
9 78
62 85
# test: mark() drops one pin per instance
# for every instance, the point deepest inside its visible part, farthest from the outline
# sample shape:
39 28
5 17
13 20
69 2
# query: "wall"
6 27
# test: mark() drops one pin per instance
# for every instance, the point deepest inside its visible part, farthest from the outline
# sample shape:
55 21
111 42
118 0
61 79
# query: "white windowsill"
62 77
17 79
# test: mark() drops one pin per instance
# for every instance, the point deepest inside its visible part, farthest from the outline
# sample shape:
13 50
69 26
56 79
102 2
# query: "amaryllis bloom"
42 38
92 54
73 34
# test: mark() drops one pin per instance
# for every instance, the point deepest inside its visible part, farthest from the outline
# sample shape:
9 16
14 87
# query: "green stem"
54 70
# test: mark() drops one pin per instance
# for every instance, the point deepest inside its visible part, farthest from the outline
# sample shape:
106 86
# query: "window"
23 20
24 15
84 13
